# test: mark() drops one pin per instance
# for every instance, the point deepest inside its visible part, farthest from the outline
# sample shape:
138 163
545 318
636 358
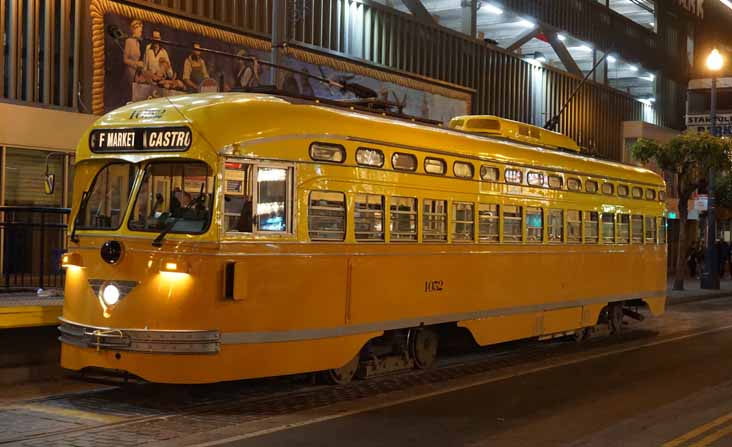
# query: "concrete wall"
41 128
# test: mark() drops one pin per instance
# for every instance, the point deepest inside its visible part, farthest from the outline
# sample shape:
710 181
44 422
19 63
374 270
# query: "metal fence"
33 241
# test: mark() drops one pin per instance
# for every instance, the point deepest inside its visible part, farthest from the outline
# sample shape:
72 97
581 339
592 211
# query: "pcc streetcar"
227 236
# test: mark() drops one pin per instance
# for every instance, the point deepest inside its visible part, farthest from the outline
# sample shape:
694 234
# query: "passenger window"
272 210
370 157
556 226
435 166
404 162
238 197
489 173
623 190
591 186
636 229
328 152
650 194
650 230
327 216
636 192
608 189
488 222
462 170
434 220
463 220
662 231
608 228
512 176
512 223
535 178
574 226
555 182
574 184
624 228
534 224
591 227
403 219
368 217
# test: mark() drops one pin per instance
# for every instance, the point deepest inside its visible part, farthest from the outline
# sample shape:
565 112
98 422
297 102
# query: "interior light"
526 24
611 59
110 294
492 9
561 37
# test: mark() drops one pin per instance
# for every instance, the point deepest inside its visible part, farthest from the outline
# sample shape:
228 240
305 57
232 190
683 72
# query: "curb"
690 299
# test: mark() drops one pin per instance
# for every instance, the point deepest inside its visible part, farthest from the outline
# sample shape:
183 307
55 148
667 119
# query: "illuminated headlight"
110 294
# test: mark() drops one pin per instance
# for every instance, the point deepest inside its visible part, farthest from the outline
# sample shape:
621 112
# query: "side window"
512 176
403 219
623 190
650 230
608 228
535 178
434 220
636 192
662 231
636 229
489 173
650 194
624 228
488 222
574 226
512 223
556 182
368 217
574 184
272 209
591 227
462 169
435 166
556 226
403 162
591 186
608 189
327 216
463 221
534 224
370 157
238 197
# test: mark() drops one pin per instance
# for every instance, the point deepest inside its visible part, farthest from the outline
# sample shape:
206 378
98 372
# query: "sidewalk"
693 292
26 309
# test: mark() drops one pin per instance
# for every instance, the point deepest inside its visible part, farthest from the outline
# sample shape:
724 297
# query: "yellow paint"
69 412
698 431
287 283
29 316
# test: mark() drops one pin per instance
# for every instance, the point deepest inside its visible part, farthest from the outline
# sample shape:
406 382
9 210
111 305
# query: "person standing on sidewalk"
691 255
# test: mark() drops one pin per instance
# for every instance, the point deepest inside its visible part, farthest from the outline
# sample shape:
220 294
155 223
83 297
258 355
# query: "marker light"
171 266
110 294
71 260
174 266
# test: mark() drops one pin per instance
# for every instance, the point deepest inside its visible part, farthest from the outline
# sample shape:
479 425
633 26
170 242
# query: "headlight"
110 294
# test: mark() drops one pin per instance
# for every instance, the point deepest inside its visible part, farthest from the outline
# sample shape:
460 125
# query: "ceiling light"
633 68
526 23
726 3
611 59
492 9
652 24
582 48
561 37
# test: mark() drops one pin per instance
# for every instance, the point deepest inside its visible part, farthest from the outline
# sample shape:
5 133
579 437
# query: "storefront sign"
703 123
700 203
693 7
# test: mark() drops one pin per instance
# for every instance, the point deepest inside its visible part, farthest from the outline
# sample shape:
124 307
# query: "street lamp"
710 277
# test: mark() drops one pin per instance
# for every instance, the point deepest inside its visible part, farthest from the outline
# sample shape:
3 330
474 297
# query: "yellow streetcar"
240 235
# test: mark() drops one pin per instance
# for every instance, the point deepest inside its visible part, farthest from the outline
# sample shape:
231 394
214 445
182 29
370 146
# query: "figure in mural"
246 72
133 51
194 69
157 61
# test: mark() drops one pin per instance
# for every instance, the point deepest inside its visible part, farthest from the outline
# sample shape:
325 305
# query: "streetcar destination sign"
146 139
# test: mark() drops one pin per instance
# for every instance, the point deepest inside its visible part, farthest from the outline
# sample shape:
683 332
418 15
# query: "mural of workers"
133 51
246 72
194 69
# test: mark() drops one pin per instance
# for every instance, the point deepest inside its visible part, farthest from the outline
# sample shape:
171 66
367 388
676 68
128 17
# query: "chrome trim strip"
341 331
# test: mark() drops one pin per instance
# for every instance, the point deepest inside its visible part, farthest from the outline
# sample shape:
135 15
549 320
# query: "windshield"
108 197
179 194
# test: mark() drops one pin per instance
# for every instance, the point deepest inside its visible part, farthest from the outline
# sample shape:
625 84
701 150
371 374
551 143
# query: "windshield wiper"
82 208
158 241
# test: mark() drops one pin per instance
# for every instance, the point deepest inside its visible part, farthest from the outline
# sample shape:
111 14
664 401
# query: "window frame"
619 227
646 228
550 212
613 235
415 213
463 163
520 219
362 148
536 174
612 188
637 239
455 221
543 224
132 195
518 171
445 219
407 155
345 215
442 162
581 225
596 186
556 176
579 184
333 145
587 219
495 169
486 237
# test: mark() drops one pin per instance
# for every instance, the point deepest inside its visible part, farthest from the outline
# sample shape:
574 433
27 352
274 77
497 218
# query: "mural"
135 69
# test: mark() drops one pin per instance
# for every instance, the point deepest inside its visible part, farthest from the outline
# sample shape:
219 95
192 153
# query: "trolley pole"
279 13
710 277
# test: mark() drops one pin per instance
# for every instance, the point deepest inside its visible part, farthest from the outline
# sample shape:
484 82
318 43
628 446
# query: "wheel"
582 334
344 374
615 317
423 347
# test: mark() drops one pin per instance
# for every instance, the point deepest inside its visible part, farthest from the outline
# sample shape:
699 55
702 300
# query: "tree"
688 158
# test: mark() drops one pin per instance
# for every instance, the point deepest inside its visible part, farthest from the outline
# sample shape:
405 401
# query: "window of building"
608 189
650 230
404 162
370 157
574 184
535 178
435 166
591 227
624 228
512 175
636 229
574 226
327 216
650 194
463 221
462 169
512 223
555 226
488 217
368 217
403 225
591 186
534 224
623 190
489 173
636 192
26 168
328 152
434 220
662 231
608 228
556 182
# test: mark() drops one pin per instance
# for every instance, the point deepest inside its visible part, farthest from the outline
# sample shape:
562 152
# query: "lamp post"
710 277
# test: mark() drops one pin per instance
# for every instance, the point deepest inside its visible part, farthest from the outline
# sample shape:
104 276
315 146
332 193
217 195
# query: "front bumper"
140 340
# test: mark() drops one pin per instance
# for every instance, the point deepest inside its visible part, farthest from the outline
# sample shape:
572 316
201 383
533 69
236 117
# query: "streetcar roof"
223 119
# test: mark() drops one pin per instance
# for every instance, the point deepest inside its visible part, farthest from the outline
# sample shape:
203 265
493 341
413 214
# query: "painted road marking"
713 437
68 412
447 390
698 431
